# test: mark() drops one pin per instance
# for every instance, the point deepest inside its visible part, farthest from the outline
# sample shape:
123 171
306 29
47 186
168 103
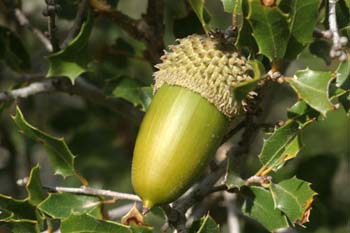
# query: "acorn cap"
206 66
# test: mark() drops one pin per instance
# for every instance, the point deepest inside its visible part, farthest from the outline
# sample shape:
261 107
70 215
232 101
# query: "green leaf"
259 205
234 7
294 198
141 229
205 225
34 187
281 146
313 86
131 91
343 73
270 29
61 205
78 223
299 12
72 61
16 209
198 7
302 113
19 215
12 50
61 158
345 101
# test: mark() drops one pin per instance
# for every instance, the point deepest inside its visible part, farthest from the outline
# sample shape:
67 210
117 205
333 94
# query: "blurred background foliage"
103 140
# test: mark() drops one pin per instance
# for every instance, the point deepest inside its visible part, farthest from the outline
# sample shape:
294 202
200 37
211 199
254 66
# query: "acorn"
191 111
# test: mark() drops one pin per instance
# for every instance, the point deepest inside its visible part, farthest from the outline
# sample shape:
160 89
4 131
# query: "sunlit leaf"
281 146
260 206
61 205
313 87
294 198
72 61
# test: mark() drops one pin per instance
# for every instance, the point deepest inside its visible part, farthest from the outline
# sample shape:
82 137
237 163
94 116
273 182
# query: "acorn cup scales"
188 117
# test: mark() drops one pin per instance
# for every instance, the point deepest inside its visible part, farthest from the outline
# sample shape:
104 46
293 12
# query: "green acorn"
190 113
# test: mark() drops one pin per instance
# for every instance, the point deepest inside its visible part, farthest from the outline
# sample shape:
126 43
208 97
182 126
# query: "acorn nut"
188 117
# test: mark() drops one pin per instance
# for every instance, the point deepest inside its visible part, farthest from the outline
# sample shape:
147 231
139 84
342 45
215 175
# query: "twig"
338 42
81 88
149 28
96 192
232 216
24 22
78 21
50 12
32 89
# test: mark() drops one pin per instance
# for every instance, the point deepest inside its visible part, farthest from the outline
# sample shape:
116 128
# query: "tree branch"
338 42
24 22
80 88
149 28
232 216
96 192
50 12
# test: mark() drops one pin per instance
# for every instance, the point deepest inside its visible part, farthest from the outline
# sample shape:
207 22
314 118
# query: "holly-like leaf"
259 205
343 73
77 223
294 198
270 29
12 50
17 209
72 61
281 146
234 7
131 91
198 8
299 12
61 158
19 215
205 225
313 87
61 205
34 187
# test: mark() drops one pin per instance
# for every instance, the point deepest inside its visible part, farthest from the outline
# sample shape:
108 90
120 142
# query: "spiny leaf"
72 61
279 147
61 158
294 198
19 215
299 12
259 205
78 223
270 29
34 187
313 87
61 205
